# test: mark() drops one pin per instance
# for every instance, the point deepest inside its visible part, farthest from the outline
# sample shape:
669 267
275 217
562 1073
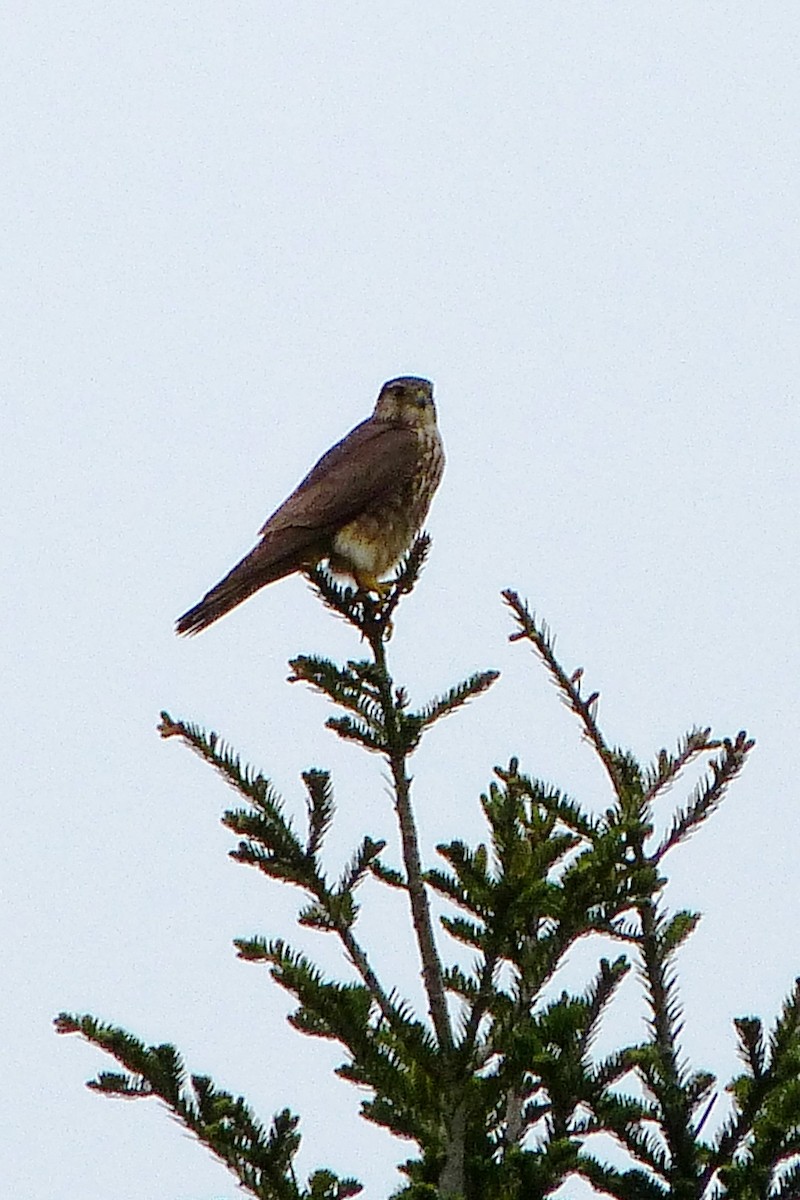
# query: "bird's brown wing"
372 459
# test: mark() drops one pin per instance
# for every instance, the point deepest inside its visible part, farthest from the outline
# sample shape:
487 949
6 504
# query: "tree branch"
584 707
420 909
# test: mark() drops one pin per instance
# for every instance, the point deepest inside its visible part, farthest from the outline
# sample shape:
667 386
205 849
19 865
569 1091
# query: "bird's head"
407 401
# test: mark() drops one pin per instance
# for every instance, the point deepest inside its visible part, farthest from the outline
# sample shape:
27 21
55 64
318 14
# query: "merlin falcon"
358 509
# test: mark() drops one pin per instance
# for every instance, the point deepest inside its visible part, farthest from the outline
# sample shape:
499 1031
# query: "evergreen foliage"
497 1085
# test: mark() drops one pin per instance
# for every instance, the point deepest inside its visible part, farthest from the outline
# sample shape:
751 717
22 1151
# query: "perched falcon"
359 507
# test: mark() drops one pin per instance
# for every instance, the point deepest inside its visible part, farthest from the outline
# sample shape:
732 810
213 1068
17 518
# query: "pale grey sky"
224 225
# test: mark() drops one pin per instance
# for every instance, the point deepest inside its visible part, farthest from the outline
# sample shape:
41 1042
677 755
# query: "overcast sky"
224 226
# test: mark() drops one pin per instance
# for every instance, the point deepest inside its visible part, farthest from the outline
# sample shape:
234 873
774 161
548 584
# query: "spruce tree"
496 1085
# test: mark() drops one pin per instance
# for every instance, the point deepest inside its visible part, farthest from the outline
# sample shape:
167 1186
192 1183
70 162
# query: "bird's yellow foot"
370 583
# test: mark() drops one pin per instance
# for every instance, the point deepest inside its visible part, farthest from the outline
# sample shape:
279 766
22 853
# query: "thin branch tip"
168 728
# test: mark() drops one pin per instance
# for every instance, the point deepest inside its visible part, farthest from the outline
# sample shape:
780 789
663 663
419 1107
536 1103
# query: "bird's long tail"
245 578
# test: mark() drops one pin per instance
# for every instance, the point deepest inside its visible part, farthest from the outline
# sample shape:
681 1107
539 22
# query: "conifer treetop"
497 1083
